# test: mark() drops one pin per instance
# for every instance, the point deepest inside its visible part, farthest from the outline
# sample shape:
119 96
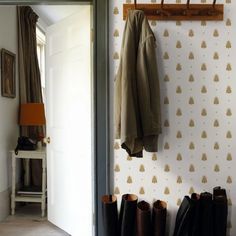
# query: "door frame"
101 106
102 109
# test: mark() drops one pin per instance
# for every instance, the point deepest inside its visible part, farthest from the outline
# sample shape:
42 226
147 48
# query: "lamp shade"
32 114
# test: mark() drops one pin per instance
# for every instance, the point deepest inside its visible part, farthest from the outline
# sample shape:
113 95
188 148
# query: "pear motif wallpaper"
197 147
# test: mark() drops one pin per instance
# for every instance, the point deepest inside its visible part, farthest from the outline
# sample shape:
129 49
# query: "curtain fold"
29 80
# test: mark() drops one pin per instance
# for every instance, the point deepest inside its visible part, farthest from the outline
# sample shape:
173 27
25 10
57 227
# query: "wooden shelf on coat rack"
179 12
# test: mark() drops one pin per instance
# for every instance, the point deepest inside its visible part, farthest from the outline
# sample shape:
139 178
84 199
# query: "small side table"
29 196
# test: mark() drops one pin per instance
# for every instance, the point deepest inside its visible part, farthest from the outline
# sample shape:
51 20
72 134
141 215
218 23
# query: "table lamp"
32 114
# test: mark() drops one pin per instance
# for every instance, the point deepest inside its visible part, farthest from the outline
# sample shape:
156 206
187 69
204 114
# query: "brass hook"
163 12
213 11
186 12
162 4
188 3
214 3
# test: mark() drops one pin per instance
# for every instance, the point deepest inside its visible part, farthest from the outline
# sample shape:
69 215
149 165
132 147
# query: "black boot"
143 219
220 211
194 229
184 218
206 227
110 215
128 215
159 213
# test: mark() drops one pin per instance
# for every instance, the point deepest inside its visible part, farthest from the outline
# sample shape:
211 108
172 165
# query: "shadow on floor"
28 222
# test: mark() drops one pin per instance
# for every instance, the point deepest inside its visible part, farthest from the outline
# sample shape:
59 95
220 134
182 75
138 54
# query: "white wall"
164 175
8 106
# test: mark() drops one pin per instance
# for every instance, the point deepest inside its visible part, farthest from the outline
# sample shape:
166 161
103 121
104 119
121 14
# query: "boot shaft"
110 215
143 219
159 214
194 229
127 215
184 217
206 210
220 211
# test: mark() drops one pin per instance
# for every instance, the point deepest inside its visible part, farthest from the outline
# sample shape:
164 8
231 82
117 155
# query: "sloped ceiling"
51 14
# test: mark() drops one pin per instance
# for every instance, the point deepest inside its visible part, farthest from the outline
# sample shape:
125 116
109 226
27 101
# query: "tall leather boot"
194 229
159 213
143 219
206 221
184 217
220 211
110 215
128 215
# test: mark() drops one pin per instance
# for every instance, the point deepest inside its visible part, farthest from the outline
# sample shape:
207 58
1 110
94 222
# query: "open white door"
69 96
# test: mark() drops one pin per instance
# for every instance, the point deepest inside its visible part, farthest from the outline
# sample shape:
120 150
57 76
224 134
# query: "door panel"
69 119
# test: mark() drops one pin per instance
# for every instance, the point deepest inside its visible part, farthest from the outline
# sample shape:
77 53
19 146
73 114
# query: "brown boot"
159 218
143 219
110 215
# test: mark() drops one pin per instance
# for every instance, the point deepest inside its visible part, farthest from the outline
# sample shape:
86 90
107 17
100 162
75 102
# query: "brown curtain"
29 78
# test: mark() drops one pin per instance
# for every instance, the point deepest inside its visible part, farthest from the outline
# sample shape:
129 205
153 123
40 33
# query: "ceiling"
51 14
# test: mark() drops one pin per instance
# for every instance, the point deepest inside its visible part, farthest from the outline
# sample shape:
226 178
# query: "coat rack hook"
214 3
162 3
188 3
135 4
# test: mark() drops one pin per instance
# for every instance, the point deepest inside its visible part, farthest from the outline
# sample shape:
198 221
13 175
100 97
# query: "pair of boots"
134 219
124 225
154 225
203 215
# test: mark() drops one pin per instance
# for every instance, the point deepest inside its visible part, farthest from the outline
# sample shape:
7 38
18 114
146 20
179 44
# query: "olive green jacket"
137 92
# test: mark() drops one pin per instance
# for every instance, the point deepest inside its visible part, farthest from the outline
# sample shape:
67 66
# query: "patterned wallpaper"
197 63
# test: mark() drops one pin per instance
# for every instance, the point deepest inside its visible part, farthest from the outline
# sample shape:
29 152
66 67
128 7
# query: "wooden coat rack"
181 12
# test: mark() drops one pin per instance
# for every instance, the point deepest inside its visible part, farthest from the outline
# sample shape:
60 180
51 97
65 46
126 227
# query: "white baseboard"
4 204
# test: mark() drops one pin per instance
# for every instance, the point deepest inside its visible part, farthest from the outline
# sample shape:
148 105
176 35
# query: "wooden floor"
27 222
